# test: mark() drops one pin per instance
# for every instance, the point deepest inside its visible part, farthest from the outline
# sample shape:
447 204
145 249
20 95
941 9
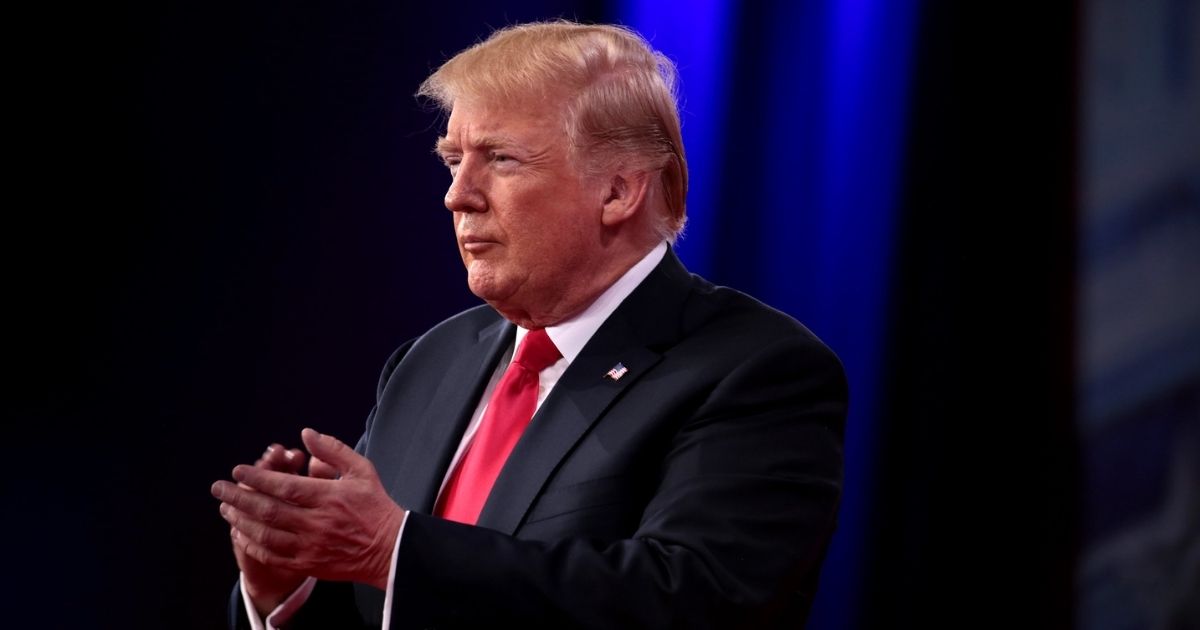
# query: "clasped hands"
337 523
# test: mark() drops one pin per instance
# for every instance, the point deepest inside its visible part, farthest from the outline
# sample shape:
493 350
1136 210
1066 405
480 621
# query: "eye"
451 162
502 159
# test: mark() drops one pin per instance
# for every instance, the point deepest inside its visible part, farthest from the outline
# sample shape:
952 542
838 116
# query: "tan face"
528 224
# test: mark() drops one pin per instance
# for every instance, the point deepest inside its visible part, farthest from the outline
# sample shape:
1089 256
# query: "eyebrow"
446 145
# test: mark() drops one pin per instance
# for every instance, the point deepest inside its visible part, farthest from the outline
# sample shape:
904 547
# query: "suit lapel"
459 388
577 402
634 336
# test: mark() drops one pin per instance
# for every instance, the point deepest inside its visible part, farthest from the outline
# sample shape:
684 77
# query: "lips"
476 244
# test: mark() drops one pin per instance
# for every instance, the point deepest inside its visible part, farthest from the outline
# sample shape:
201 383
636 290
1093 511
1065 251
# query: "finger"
284 460
262 507
273 456
335 453
254 550
277 540
320 469
295 489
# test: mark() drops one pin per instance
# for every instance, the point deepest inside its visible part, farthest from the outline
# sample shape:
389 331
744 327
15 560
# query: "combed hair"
621 105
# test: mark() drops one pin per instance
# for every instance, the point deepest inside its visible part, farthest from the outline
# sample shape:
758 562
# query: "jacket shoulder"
447 338
722 312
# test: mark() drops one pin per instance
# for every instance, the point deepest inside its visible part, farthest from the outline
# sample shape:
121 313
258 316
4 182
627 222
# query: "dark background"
227 215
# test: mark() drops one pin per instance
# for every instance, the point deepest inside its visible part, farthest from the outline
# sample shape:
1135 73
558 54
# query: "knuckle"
250 529
290 494
243 502
269 512
267 538
258 553
287 543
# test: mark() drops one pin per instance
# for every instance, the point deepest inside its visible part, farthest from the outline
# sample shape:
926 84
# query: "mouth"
476 244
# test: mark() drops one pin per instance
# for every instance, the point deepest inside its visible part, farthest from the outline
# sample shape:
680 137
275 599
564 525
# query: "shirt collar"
572 335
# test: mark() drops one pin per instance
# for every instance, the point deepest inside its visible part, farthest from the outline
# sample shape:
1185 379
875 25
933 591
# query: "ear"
625 197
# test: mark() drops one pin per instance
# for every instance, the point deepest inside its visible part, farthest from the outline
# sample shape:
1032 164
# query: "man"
683 466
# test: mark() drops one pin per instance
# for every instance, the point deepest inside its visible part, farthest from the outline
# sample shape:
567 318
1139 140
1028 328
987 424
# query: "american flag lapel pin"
616 372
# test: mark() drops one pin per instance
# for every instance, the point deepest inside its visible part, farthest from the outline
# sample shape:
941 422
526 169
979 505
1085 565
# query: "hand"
333 529
267 585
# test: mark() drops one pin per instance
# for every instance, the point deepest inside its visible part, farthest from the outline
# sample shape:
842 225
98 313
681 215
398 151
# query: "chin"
485 286
499 296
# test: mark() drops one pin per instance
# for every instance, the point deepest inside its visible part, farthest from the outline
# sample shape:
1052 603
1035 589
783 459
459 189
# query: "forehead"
476 123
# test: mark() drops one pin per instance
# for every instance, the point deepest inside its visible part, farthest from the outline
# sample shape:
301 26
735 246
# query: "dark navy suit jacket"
698 490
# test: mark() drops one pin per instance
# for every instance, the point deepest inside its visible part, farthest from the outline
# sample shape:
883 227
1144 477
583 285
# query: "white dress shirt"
569 337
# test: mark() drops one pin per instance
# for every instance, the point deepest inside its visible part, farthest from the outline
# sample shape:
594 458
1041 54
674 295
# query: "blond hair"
620 96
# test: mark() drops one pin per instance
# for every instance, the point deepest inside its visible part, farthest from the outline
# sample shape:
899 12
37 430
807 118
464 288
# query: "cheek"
545 222
562 246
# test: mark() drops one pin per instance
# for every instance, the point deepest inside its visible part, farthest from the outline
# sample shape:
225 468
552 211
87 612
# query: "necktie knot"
537 351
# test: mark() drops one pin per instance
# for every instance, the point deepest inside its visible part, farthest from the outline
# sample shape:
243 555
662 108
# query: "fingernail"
239 472
224 509
289 455
217 490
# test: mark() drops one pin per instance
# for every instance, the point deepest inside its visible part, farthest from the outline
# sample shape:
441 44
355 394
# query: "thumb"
320 469
336 454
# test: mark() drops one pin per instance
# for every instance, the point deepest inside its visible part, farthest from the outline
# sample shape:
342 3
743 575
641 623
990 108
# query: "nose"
466 193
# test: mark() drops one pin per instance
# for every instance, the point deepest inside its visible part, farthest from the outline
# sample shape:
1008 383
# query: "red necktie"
508 413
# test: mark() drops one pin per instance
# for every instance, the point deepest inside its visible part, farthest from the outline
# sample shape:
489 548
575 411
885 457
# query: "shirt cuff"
284 611
391 587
